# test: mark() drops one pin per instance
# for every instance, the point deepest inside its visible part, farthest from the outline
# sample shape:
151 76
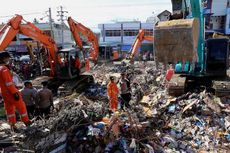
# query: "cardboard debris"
212 105
190 105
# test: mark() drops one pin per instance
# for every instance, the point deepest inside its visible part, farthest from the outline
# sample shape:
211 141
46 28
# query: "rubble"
193 122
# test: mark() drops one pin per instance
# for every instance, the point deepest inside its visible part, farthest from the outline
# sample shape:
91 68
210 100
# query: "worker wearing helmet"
77 64
11 95
113 91
169 75
87 65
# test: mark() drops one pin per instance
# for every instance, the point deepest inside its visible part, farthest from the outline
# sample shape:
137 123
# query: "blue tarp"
127 48
17 48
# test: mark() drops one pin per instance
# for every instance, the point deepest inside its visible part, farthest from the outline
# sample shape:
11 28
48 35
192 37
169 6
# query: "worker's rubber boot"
14 128
28 123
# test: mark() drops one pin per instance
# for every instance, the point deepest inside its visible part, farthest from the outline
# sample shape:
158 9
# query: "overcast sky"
88 12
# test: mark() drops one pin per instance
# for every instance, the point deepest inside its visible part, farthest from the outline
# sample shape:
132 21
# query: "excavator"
76 28
198 62
15 26
141 36
62 70
30 51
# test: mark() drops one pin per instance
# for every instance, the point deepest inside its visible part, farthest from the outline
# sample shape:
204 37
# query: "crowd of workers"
25 69
26 101
38 103
120 91
124 91
31 103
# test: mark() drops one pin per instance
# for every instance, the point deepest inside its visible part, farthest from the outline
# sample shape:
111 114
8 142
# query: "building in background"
216 13
123 34
18 45
217 16
164 16
57 33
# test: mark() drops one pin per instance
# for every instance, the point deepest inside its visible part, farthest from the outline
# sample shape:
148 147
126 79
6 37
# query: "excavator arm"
137 43
30 51
9 31
77 28
75 32
15 26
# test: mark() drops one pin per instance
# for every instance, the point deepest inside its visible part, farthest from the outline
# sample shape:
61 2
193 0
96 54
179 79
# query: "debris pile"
189 123
96 92
156 122
72 114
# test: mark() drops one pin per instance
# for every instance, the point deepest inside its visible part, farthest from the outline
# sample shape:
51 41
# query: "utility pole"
61 13
49 15
51 23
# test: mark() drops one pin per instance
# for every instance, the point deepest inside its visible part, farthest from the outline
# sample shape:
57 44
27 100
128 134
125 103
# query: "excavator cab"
217 56
66 67
179 8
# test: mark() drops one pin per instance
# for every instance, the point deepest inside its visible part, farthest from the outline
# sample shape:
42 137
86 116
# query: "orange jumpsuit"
87 65
112 91
169 74
115 55
77 63
8 90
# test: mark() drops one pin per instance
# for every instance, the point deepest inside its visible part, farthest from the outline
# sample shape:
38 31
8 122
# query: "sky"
88 12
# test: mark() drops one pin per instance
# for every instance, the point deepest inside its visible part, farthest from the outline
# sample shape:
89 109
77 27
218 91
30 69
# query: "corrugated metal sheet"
126 48
17 48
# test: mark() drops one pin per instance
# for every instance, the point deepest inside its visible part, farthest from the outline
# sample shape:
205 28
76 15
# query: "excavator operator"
77 64
11 95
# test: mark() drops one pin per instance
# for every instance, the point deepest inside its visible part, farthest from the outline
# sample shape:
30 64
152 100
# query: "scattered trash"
155 122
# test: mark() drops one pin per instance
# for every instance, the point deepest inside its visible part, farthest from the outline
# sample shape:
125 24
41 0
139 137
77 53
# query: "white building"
164 16
124 33
18 44
215 12
217 16
57 33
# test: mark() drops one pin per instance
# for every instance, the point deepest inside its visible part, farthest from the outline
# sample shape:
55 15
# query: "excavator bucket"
176 40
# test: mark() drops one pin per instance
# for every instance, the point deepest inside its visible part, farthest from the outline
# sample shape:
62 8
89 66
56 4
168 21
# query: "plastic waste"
133 145
172 108
150 148
227 136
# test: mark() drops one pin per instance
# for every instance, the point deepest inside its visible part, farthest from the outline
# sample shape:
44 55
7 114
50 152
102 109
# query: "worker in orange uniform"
11 95
77 64
87 65
115 55
169 74
113 91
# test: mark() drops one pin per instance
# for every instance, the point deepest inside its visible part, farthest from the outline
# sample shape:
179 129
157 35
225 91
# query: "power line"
24 14
49 15
61 14
51 23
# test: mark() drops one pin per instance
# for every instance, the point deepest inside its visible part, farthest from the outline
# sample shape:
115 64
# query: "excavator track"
78 84
222 88
176 85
